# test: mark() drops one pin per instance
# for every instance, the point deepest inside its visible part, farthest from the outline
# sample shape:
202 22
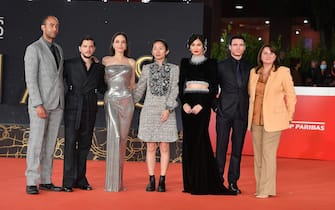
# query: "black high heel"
151 184
161 184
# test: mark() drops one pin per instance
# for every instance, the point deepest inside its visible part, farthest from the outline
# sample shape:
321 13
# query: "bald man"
44 79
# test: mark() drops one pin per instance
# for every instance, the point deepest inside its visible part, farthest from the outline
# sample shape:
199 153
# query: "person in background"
332 71
271 108
232 110
313 76
158 125
83 78
295 72
283 58
119 108
197 91
43 62
325 73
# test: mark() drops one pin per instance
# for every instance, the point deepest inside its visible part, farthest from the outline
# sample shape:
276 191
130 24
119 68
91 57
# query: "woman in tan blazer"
271 107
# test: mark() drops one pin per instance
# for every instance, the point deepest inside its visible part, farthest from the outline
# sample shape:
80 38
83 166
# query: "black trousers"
77 145
236 129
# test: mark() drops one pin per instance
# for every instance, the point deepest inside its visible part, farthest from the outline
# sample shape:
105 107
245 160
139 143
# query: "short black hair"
237 36
87 37
163 42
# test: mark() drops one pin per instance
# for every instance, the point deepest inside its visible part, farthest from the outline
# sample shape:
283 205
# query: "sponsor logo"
2 27
307 125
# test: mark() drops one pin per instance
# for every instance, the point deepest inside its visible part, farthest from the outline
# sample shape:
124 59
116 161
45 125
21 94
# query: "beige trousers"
265 146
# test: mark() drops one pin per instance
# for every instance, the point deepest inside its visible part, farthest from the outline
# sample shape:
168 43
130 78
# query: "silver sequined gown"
119 108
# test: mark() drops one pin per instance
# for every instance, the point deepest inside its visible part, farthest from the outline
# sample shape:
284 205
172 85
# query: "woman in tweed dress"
157 127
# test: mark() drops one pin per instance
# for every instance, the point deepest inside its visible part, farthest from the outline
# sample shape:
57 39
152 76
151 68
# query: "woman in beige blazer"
271 107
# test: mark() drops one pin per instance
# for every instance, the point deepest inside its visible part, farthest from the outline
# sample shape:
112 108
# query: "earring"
205 49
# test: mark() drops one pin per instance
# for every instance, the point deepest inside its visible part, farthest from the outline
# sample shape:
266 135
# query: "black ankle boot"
151 184
161 184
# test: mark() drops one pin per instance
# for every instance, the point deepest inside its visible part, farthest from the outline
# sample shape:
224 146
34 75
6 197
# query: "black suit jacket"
82 87
232 96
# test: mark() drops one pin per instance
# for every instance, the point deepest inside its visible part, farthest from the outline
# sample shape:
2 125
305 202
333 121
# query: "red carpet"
301 185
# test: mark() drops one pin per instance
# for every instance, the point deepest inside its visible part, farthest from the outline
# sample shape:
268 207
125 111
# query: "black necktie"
238 74
55 52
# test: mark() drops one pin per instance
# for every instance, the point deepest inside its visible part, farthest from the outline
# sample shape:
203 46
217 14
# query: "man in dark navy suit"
232 110
83 78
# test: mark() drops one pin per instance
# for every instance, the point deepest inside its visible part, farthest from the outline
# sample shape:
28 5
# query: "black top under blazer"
82 86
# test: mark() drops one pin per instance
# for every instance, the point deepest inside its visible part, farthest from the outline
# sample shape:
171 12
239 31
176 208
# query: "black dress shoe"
67 189
86 187
83 187
233 187
32 190
50 187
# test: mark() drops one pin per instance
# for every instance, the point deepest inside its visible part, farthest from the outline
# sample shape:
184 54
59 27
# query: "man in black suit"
83 78
232 110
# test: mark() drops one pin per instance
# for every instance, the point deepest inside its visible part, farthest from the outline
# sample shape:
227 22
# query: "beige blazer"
279 99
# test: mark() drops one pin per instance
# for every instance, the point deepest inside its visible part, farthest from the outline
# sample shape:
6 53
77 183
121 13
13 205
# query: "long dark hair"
259 57
112 50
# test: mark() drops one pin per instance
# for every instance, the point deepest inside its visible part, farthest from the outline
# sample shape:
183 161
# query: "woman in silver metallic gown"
119 108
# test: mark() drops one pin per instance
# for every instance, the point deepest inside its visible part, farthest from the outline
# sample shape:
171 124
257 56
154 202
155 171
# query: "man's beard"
87 57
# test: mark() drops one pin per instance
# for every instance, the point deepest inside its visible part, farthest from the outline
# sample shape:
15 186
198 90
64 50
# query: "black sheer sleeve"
182 79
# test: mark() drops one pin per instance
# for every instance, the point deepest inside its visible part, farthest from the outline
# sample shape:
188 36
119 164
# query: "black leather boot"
161 184
151 184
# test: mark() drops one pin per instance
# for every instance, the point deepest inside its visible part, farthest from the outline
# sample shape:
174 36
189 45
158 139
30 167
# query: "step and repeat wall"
143 23
311 134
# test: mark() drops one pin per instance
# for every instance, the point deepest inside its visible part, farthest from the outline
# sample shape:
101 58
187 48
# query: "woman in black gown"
197 92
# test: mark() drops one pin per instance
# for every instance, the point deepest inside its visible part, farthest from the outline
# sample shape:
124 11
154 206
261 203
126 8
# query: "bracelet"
170 109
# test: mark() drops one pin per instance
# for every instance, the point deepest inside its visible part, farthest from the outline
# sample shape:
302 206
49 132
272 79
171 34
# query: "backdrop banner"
311 134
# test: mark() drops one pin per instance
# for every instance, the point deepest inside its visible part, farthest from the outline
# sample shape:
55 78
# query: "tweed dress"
160 86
